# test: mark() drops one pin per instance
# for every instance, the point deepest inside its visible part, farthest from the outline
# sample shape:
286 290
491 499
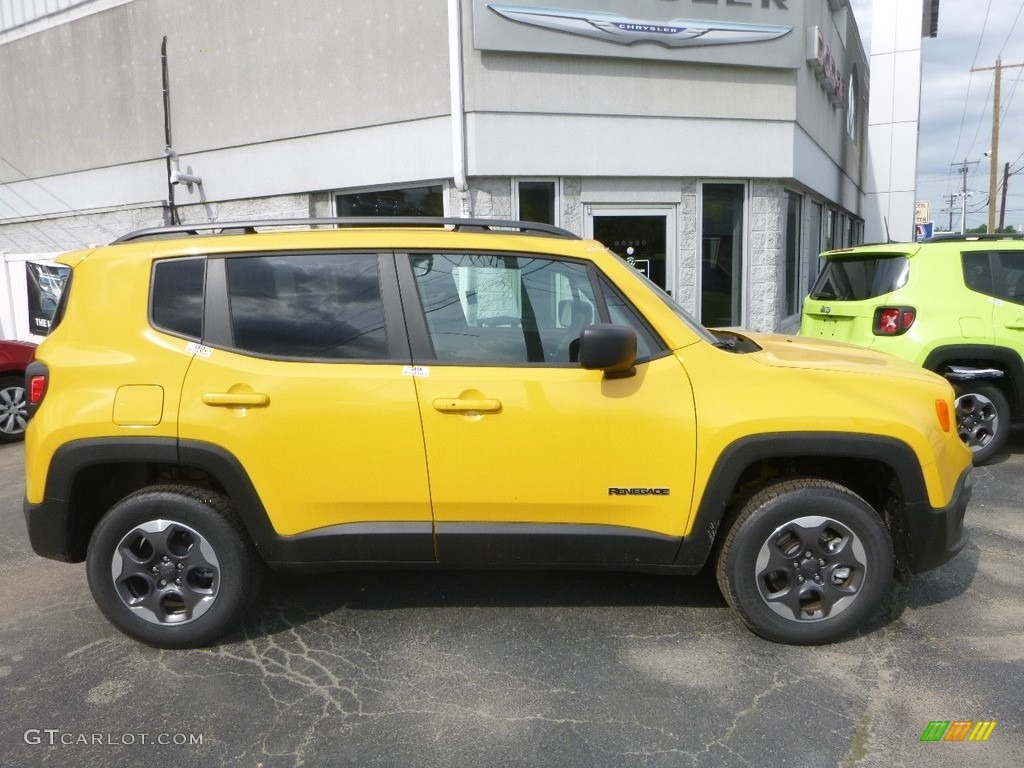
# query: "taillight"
892 321
36 377
36 389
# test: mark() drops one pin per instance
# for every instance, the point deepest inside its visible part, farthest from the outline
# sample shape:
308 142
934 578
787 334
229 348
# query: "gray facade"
744 157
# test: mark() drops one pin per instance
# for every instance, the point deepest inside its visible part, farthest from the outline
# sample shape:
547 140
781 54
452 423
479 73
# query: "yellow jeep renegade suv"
433 393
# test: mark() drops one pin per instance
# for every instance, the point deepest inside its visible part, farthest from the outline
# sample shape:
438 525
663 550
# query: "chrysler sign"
616 28
736 32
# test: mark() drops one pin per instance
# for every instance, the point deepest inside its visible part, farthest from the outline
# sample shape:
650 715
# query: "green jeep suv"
953 304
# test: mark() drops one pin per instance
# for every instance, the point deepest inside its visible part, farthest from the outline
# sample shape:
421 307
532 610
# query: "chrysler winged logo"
614 28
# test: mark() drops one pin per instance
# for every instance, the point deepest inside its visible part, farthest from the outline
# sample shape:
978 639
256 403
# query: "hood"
778 350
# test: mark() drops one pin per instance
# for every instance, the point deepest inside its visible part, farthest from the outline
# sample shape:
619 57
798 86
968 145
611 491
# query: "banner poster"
44 283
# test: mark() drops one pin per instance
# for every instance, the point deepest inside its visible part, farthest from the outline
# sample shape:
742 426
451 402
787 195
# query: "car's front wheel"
806 562
982 418
171 566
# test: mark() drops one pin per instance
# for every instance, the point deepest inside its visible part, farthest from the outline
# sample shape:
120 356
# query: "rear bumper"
48 530
935 536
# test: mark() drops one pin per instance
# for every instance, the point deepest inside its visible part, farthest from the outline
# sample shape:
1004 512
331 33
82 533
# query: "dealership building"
719 145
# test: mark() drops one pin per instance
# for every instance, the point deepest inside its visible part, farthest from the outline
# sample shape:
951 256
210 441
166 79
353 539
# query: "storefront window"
721 263
814 238
407 201
536 201
793 206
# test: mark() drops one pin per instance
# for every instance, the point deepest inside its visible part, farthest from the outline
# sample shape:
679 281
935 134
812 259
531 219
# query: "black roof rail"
968 237
505 226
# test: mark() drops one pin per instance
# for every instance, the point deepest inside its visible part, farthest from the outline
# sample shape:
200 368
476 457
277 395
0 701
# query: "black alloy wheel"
982 418
171 566
806 562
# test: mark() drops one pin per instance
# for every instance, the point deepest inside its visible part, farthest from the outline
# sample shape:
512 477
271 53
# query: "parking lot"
508 668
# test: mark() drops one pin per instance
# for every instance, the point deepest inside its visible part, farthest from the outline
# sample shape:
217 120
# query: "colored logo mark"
958 730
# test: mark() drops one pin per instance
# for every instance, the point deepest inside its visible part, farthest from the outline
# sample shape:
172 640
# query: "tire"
13 409
171 566
982 418
806 562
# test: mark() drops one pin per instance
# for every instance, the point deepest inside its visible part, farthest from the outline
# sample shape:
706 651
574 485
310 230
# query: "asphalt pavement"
435 669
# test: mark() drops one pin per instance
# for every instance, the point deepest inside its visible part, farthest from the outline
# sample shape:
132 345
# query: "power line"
69 208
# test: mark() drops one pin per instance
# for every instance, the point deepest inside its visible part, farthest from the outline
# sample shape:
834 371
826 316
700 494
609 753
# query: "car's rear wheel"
171 566
13 409
982 418
806 562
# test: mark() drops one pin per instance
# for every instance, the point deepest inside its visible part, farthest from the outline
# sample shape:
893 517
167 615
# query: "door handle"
457 405
1016 325
237 399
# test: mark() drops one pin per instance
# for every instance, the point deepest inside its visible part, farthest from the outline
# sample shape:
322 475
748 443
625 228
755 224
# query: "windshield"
861 278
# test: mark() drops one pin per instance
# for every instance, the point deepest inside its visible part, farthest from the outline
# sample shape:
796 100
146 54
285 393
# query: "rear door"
841 305
302 377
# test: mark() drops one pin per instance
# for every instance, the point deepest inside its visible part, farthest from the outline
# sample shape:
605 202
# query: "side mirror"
608 348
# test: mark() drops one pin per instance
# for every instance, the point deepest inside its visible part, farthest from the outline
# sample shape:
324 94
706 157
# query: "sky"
956 107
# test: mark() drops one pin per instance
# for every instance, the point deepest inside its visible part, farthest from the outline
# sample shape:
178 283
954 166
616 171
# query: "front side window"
1011 264
498 309
620 312
310 306
999 274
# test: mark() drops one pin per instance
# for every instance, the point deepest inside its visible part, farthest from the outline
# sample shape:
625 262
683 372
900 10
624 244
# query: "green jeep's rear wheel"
171 566
806 562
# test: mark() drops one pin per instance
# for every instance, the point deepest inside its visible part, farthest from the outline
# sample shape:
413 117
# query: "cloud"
956 103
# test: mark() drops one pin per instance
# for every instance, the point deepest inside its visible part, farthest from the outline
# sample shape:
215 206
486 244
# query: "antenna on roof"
885 223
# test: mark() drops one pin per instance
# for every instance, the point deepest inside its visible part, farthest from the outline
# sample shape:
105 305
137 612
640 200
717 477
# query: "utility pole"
949 207
1002 208
964 168
994 171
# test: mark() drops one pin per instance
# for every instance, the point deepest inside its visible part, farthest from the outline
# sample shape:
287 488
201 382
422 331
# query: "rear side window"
978 272
855 279
321 306
177 296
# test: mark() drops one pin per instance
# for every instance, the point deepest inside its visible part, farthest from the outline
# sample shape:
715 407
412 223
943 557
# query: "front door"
640 236
531 458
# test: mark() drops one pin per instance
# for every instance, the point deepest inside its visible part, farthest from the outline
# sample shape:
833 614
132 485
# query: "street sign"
922 211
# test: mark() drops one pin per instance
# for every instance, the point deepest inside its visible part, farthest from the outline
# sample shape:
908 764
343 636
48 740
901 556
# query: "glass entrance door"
640 236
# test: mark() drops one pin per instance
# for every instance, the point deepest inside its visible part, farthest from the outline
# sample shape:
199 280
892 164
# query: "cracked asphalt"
508 669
